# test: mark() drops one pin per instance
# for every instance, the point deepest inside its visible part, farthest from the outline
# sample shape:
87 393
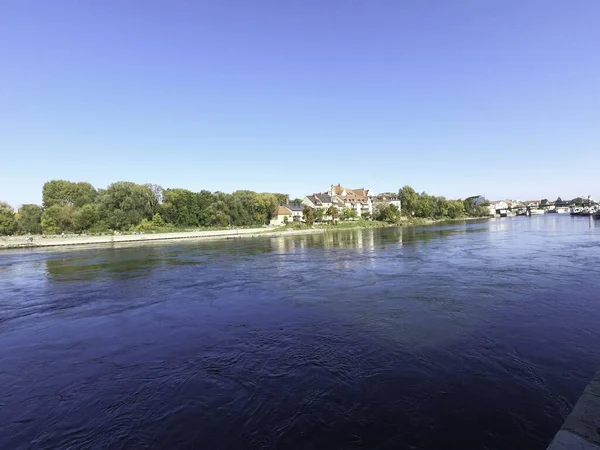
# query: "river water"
476 335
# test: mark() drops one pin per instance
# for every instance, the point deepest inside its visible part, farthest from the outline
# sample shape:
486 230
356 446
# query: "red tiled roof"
283 211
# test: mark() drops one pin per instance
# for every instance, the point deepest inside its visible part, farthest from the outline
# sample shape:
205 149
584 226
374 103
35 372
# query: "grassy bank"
414 221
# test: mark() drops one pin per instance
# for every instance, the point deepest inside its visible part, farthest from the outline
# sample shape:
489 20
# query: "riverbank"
13 242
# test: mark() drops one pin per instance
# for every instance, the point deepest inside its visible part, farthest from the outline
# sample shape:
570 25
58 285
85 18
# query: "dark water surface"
463 336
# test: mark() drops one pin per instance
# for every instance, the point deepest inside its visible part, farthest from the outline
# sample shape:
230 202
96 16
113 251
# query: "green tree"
59 219
482 209
332 212
217 214
309 215
319 213
470 208
387 213
124 204
8 222
86 217
67 193
455 209
181 207
30 219
426 206
348 213
157 221
410 199
442 207
544 202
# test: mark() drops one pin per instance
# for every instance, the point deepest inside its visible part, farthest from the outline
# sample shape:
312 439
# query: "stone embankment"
66 240
581 430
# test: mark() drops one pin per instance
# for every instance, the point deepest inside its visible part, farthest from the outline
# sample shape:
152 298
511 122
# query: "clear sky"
463 97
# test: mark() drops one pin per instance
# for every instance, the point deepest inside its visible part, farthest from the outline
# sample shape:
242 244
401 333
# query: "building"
357 199
498 207
288 213
282 215
386 199
297 211
318 201
476 199
361 200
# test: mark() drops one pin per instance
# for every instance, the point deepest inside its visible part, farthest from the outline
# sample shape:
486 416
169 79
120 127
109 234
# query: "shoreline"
25 242
39 241
581 429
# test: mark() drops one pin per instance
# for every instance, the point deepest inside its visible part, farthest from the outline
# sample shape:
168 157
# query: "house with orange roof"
282 215
288 213
357 199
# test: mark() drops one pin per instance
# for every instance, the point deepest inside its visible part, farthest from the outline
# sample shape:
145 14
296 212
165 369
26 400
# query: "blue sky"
499 97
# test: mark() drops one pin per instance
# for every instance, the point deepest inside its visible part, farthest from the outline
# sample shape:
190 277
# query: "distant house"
515 204
361 200
357 199
282 215
288 213
497 207
318 201
387 199
297 211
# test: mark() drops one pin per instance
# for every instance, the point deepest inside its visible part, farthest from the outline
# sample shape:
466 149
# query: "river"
474 335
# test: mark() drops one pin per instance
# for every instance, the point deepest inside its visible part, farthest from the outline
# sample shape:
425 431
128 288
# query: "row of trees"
431 207
79 207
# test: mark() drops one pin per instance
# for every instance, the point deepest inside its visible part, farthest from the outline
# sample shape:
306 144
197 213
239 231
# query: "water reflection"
126 262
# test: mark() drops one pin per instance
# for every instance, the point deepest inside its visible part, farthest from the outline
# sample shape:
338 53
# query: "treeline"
431 207
70 207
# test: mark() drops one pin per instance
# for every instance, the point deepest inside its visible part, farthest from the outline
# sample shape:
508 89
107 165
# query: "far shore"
15 242
36 241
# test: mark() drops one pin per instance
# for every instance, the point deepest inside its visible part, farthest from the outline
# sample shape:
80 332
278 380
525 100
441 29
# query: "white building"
497 207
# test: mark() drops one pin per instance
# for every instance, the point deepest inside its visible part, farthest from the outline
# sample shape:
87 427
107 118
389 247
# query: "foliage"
157 224
319 214
59 219
86 217
409 199
348 213
124 204
456 209
332 212
29 219
67 193
309 215
8 221
427 206
387 213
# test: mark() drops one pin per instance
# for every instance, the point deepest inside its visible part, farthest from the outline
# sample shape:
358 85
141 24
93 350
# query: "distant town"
508 208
